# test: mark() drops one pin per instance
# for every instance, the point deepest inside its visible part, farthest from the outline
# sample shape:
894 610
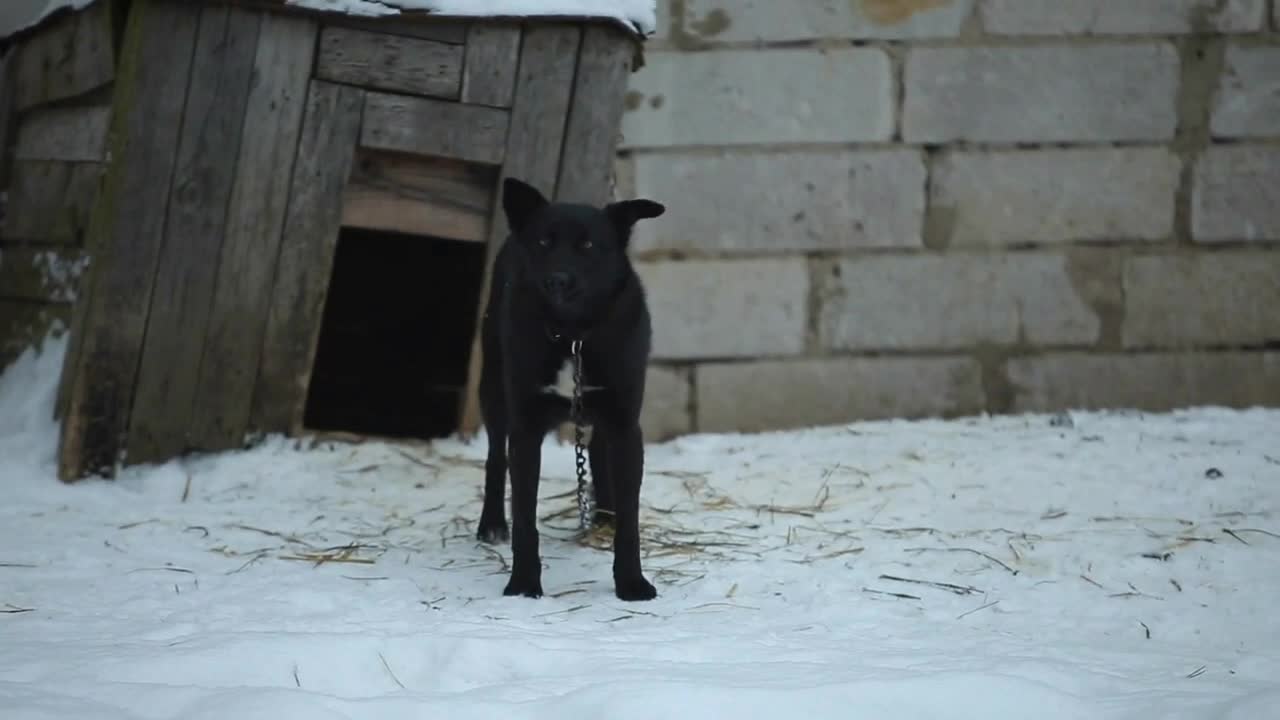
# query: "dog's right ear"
520 201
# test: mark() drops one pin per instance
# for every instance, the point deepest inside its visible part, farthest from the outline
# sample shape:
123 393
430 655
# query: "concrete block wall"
909 208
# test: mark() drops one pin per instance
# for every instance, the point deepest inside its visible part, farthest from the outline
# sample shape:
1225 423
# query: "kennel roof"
639 16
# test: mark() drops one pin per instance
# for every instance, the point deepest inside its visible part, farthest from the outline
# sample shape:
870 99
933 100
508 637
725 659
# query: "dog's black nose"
558 284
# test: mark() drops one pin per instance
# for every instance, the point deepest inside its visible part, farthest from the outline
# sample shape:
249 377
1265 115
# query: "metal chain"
579 452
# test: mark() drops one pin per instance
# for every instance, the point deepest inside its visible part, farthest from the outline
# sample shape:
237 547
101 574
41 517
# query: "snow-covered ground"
1092 566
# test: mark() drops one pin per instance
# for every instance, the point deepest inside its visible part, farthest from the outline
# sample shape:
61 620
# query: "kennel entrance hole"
395 337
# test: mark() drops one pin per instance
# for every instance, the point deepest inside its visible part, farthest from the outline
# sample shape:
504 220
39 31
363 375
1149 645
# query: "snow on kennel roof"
638 15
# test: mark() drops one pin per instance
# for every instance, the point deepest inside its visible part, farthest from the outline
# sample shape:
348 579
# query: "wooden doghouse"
293 214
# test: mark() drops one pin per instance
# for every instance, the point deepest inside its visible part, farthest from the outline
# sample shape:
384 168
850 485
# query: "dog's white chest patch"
563 385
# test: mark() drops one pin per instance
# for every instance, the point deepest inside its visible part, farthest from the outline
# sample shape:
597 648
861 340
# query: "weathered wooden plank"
68 133
125 232
69 57
50 201
595 119
420 196
489 70
46 274
390 62
25 324
544 88
255 221
8 115
434 127
180 306
329 135
452 31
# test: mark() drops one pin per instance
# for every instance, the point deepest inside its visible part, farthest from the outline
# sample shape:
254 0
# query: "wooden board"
325 153
50 201
544 89
8 116
125 232
255 221
69 57
420 196
595 119
434 127
489 70
71 133
390 62
45 274
206 167
415 26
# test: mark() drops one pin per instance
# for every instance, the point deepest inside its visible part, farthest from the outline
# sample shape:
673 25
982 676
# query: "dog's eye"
544 241
586 244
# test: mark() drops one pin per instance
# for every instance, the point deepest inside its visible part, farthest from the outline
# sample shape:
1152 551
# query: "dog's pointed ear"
627 213
520 201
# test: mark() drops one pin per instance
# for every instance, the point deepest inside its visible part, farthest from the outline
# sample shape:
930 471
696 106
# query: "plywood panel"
329 133
544 88
256 220
419 196
126 230
390 62
434 127
183 297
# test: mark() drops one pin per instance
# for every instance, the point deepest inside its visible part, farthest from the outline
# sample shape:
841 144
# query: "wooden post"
329 135
256 219
599 90
544 89
126 230
202 183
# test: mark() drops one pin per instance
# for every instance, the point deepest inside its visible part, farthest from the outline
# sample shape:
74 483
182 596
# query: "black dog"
564 276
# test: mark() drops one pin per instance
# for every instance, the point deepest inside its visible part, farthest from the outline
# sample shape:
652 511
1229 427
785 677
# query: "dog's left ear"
520 201
627 213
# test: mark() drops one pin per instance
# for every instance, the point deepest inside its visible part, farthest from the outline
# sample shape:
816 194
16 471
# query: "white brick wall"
774 96
1121 17
769 202
790 20
930 302
1208 299
1065 93
1248 99
724 309
1237 194
1055 196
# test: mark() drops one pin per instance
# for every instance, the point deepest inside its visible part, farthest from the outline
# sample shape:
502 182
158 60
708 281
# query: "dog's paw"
633 589
528 587
493 532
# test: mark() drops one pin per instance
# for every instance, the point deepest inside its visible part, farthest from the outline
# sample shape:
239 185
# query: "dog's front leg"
524 451
626 466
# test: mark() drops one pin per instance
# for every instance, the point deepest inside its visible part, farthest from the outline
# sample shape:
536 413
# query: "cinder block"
783 202
1203 299
1108 93
774 21
737 97
1153 382
1237 195
666 404
727 308
777 395
956 301
1054 196
1121 17
1247 104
